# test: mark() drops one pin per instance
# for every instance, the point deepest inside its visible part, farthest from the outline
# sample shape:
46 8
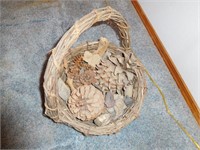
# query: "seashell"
103 119
129 91
91 59
86 102
120 106
63 90
109 100
128 101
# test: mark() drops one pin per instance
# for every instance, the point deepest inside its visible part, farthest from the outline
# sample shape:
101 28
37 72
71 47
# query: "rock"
63 90
103 119
119 105
128 101
129 91
111 111
109 100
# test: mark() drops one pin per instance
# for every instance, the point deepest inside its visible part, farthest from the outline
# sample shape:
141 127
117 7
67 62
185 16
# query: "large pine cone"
86 102
113 74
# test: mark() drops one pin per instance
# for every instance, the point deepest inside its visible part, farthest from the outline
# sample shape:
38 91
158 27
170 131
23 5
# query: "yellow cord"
171 115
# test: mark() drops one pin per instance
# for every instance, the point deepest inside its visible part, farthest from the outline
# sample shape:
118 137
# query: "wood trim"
168 61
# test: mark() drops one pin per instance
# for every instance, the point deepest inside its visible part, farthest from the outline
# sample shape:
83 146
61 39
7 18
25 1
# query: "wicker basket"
56 108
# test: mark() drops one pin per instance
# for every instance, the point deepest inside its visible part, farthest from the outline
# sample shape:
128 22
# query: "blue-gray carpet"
28 31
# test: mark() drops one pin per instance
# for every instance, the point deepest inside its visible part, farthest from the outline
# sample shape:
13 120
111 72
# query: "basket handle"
97 15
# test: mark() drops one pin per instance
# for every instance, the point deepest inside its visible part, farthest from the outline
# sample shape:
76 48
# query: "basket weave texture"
64 110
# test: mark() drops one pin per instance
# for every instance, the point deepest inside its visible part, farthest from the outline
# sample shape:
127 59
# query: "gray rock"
63 90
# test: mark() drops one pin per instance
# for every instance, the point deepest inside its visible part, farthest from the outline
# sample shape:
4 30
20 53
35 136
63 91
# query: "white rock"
103 119
111 111
129 91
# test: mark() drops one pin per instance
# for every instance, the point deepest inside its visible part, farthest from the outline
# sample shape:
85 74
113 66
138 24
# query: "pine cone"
85 78
111 74
77 61
73 71
106 78
80 72
86 102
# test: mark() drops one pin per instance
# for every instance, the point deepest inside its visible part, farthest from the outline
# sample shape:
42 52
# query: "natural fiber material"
62 54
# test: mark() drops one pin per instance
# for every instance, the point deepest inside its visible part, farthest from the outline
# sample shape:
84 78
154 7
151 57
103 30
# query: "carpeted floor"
28 31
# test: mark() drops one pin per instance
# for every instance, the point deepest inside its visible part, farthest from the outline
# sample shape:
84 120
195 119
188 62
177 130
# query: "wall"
177 23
